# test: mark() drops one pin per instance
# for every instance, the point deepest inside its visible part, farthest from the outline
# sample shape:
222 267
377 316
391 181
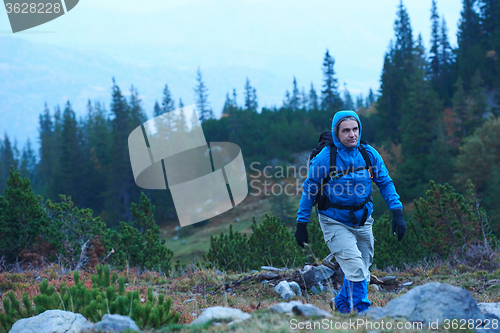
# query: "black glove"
301 235
398 223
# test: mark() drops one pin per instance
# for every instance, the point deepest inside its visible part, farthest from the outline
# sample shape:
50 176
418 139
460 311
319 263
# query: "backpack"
321 201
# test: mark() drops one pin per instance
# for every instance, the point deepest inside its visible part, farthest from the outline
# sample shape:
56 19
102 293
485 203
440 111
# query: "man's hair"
337 126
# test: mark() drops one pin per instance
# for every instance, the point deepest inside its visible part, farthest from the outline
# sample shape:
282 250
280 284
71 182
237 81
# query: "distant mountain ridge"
32 74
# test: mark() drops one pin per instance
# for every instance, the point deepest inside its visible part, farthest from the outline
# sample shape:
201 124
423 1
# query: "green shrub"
103 298
229 252
139 245
444 223
271 243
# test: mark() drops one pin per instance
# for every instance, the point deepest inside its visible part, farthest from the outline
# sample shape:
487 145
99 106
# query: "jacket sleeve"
318 170
384 182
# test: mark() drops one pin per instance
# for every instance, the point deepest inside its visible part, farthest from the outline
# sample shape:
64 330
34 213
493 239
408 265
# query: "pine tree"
446 86
470 54
71 157
330 99
27 163
287 100
348 103
295 98
6 161
157 110
304 99
370 99
121 180
204 110
313 99
398 67
434 54
167 103
250 97
21 217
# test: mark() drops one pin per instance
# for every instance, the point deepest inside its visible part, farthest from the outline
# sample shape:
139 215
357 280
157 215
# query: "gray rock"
388 280
317 274
492 308
116 323
284 307
406 284
284 289
219 313
376 287
267 276
295 287
270 268
318 288
309 310
433 301
188 300
51 321
254 271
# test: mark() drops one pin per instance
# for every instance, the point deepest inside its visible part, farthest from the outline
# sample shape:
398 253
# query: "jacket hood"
339 115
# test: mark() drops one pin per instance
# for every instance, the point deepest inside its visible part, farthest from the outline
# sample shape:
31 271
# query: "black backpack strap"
368 162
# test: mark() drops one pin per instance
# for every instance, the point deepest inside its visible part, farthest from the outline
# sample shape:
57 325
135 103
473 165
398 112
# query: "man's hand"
398 223
301 235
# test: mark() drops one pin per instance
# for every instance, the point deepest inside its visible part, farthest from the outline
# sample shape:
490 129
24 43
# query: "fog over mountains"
32 74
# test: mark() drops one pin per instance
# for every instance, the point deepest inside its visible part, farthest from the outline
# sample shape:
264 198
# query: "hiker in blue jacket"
345 207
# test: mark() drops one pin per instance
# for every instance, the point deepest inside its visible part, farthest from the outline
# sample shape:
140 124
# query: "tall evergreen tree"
201 91
470 54
348 102
295 98
370 99
7 160
157 110
70 160
313 99
167 102
398 67
250 97
121 180
434 54
27 164
330 98
304 99
446 85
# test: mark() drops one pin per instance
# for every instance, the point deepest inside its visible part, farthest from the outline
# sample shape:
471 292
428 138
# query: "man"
346 207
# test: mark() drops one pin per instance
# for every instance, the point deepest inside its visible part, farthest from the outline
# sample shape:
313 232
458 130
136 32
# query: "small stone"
375 287
116 323
388 279
219 313
284 289
254 271
295 287
270 268
188 300
284 307
406 284
309 310
175 238
268 276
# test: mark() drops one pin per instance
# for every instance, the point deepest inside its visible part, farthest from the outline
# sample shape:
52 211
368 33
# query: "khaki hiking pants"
352 247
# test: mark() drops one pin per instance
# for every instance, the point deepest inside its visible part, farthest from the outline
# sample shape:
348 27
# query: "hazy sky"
286 38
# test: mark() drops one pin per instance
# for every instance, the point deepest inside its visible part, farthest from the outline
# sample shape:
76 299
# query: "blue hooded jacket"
348 190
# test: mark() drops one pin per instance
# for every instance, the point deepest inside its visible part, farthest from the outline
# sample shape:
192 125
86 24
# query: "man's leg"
365 242
343 245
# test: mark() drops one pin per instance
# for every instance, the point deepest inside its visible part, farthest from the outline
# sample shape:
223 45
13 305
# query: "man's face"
349 133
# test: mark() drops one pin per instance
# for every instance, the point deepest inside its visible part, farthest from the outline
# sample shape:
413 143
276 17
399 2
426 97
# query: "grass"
197 289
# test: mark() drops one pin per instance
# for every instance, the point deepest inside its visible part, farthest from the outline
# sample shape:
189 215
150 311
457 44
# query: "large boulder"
432 302
316 275
51 321
220 313
285 290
